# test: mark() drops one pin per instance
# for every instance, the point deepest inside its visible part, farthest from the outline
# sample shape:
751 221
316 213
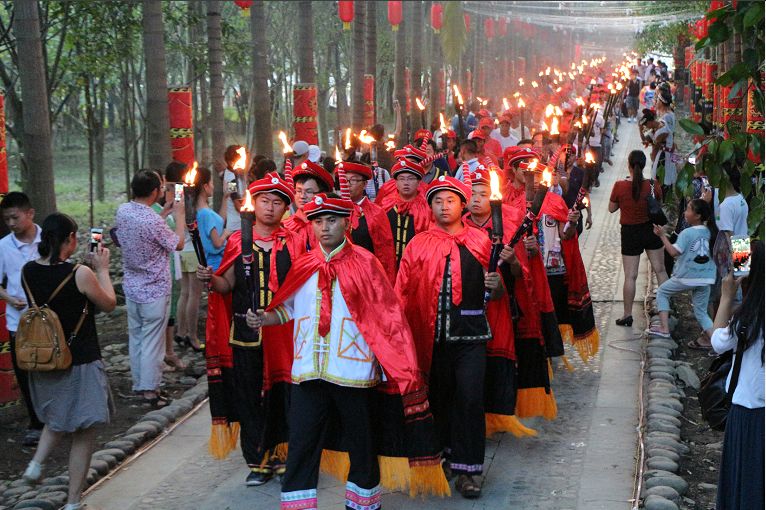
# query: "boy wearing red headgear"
310 179
239 392
441 283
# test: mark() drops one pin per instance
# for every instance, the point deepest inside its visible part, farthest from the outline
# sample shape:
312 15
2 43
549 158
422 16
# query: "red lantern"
502 27
346 13
243 4
467 19
395 14
437 13
489 28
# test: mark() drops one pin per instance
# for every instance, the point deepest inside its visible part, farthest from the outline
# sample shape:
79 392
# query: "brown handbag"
40 342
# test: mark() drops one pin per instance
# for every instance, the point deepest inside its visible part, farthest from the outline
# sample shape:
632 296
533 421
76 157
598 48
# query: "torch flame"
521 103
578 124
580 101
506 106
584 119
338 157
390 145
494 186
549 110
458 96
619 85
557 111
365 138
420 104
589 157
247 204
532 165
534 84
442 124
521 82
242 161
285 146
191 175
516 94
348 139
555 126
545 126
547 178
585 202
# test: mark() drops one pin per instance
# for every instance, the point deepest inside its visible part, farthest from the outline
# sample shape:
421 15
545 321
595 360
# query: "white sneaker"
33 472
74 506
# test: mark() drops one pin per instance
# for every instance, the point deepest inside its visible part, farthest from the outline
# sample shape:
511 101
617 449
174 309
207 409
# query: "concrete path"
584 459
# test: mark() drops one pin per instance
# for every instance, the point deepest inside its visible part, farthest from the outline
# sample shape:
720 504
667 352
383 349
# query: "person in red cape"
537 333
566 275
348 336
235 355
407 210
441 284
501 378
370 227
309 179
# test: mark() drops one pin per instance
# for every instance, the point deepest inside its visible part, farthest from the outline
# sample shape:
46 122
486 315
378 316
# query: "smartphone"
179 192
96 235
740 255
693 160
231 187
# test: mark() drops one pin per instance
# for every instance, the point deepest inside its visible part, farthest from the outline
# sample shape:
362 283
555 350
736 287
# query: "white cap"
314 153
300 148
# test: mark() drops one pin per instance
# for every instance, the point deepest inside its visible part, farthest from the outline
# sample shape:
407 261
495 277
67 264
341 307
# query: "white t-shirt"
732 215
505 141
233 222
598 125
749 391
13 255
517 133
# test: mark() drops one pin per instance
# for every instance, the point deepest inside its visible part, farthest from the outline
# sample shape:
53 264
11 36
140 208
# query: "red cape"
420 276
380 233
367 292
388 197
299 224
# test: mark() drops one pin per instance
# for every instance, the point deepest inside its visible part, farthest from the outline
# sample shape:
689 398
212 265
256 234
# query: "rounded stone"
92 476
662 369
674 481
662 376
663 409
656 433
157 418
111 460
28 495
663 343
667 442
54 488
671 402
663 452
58 497
56 480
655 502
656 352
19 483
663 426
117 453
123 445
16 491
665 417
662 463
40 504
662 491
150 428
101 466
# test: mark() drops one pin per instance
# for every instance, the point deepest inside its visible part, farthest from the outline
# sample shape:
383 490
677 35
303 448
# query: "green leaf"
718 32
691 127
725 151
746 185
736 89
755 215
702 43
753 15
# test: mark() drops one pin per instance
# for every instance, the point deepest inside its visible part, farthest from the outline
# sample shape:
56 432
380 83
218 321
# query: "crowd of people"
378 314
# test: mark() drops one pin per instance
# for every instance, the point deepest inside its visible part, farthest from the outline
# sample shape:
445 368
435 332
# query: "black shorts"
637 238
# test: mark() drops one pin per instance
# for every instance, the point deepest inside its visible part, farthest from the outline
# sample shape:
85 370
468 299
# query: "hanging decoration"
489 28
437 17
369 100
467 19
346 13
181 124
395 14
502 27
243 4
305 113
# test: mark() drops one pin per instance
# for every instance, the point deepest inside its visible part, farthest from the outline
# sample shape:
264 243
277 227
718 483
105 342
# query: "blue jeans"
700 296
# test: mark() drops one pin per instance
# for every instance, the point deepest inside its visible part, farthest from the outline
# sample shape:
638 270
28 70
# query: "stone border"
51 493
664 488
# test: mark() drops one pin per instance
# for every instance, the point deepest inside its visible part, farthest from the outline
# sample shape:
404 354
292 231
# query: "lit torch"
240 172
190 212
247 216
554 126
522 106
506 106
286 149
347 145
496 206
459 111
422 109
370 141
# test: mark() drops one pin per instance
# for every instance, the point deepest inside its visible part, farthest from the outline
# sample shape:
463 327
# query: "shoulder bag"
714 400
656 214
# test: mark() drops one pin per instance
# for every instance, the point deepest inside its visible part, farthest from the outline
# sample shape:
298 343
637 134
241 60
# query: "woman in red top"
636 235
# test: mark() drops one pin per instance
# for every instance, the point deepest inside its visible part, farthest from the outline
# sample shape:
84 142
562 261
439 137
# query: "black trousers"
456 394
311 405
248 384
23 379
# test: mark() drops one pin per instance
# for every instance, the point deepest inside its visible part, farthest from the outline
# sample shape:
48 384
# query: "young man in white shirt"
503 134
16 249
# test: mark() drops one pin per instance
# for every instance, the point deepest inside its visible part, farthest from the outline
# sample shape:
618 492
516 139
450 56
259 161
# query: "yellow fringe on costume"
567 333
223 439
505 423
428 481
280 452
587 346
394 473
567 364
532 402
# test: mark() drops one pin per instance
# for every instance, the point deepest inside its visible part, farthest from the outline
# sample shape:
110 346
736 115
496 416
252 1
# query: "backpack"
40 342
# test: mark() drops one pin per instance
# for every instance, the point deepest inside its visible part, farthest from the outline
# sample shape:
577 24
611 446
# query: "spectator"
741 474
16 249
663 146
74 401
147 242
634 90
469 154
231 202
594 142
210 225
503 134
491 146
636 231
646 98
694 269
173 174
733 210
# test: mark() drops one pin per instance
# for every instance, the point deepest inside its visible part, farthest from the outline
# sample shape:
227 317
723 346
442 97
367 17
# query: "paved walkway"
584 459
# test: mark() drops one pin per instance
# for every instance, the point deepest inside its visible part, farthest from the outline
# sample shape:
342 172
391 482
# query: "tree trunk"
306 42
357 77
417 51
157 121
371 47
399 92
340 89
436 67
215 63
261 72
37 160
127 136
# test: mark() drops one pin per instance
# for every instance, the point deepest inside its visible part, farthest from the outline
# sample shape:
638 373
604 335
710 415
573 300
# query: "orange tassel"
394 473
428 481
335 464
506 423
531 402
223 439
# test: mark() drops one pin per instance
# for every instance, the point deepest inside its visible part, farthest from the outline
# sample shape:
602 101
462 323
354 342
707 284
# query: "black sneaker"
256 478
31 438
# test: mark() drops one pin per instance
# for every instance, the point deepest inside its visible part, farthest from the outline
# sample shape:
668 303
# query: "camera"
179 192
96 235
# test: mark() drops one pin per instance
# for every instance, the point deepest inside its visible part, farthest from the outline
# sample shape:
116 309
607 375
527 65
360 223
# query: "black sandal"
188 342
158 402
468 487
